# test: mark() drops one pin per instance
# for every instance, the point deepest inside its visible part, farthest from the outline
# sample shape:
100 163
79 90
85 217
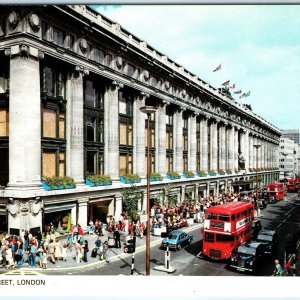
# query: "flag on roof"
226 82
247 94
238 92
217 68
232 87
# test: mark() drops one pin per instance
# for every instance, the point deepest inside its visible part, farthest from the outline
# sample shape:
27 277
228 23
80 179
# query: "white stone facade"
226 129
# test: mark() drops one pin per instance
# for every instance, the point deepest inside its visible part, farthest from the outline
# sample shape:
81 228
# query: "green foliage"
212 172
155 175
131 177
221 171
131 196
189 174
173 175
99 178
169 197
59 181
202 173
228 171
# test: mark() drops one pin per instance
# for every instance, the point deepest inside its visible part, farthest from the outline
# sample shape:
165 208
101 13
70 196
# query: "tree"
169 197
131 196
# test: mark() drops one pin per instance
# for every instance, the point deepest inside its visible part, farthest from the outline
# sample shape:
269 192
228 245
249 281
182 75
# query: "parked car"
248 257
269 240
255 229
262 203
176 240
297 200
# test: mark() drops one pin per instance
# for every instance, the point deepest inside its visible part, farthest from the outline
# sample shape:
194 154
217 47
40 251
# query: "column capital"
82 70
24 50
142 95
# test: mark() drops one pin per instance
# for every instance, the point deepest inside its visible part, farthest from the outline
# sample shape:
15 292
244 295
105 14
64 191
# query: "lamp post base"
162 268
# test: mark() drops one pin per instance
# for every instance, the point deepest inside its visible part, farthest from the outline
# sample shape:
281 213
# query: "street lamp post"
256 147
148 110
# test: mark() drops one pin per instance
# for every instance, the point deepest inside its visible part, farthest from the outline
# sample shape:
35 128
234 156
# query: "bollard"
132 263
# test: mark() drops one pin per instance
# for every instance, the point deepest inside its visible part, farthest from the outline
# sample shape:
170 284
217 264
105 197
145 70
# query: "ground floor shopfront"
60 208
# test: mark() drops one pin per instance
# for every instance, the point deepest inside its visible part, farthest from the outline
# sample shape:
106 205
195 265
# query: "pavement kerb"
111 259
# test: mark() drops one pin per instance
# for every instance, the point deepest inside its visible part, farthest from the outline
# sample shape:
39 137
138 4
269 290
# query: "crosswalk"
23 272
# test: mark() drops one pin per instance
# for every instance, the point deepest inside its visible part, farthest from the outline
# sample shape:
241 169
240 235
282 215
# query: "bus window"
224 218
209 237
238 215
224 238
233 217
212 216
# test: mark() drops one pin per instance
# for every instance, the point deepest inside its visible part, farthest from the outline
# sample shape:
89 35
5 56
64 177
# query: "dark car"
176 240
248 257
269 240
255 229
262 203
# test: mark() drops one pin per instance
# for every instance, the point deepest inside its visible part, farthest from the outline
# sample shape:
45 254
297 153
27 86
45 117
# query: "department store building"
72 83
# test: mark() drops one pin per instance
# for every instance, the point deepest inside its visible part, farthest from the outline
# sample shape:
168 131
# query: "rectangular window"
58 36
91 161
49 163
49 123
61 125
123 164
62 164
49 76
91 128
123 133
3 122
44 30
90 94
130 70
122 106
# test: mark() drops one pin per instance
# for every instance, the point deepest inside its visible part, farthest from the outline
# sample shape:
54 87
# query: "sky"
258 47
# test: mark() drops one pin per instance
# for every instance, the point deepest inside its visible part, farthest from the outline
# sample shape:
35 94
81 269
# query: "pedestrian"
85 250
105 251
44 260
278 269
78 249
70 240
32 255
64 252
117 238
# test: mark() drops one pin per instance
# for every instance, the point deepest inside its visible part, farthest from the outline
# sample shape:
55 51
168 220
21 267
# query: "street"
283 216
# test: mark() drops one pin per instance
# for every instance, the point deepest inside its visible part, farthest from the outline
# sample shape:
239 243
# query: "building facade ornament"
13 207
35 206
83 45
13 20
34 22
119 62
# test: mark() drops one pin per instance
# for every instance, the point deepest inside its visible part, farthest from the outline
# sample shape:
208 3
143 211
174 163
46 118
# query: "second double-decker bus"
226 226
276 190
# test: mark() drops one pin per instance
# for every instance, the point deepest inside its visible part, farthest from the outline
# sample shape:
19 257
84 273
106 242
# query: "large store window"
94 125
125 133
53 108
169 138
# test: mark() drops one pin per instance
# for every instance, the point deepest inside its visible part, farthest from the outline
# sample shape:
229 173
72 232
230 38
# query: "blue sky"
257 45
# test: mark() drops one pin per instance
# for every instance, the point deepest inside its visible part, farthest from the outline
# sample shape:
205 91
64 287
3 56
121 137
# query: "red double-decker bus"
276 190
226 226
293 184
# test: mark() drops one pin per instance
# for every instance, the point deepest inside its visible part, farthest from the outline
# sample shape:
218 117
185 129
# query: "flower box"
201 174
188 174
126 179
100 183
173 175
212 173
155 177
221 172
58 183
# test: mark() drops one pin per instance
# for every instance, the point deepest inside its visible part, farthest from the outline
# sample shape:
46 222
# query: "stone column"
251 148
247 155
160 140
111 129
139 138
192 147
74 125
196 191
118 206
178 141
230 147
214 145
82 212
236 148
24 117
182 196
223 147
204 140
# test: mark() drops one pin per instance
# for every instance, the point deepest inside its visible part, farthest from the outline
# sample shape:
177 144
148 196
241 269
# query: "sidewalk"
114 253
